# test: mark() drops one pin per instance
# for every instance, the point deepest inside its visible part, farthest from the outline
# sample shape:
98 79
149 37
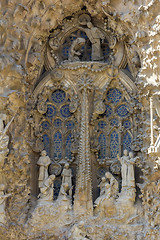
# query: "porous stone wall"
24 29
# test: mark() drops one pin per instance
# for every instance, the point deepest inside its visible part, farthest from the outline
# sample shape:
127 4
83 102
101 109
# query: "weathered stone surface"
31 67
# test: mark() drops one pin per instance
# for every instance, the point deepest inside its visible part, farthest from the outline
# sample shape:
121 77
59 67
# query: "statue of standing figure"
43 162
127 169
95 36
67 178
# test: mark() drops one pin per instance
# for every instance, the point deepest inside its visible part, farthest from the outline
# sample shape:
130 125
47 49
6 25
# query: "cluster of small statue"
46 182
109 186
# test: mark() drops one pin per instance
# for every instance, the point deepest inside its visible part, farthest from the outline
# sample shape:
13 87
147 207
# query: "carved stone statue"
46 191
113 184
127 169
105 203
109 188
43 162
94 35
78 232
3 198
75 50
102 186
67 177
124 160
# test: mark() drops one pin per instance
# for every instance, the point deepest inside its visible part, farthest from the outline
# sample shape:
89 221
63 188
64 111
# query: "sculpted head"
103 179
52 177
131 154
125 152
108 175
43 153
66 165
89 24
81 224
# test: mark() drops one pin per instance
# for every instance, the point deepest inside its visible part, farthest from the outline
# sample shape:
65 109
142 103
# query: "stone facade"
79 119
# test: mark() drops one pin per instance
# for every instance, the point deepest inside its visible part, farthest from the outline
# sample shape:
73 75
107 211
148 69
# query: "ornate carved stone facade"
79 123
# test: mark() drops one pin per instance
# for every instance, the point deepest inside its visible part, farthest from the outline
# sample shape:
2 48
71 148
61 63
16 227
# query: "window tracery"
57 125
115 124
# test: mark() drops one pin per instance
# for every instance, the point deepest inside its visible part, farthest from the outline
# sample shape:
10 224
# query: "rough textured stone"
25 29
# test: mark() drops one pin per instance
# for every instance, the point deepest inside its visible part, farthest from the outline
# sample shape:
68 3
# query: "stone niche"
82 165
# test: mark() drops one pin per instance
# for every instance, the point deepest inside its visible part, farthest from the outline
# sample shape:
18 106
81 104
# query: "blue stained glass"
83 35
68 146
46 143
114 144
122 110
114 95
57 123
70 125
108 111
114 122
58 145
102 124
65 111
57 186
65 51
101 172
58 96
127 142
45 125
51 111
127 124
102 143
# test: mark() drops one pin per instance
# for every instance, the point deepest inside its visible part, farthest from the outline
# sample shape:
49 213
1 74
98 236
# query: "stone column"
83 203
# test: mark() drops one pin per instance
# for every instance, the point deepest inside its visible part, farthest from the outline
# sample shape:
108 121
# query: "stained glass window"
58 145
126 124
122 110
102 143
108 111
45 125
58 96
101 172
70 125
57 123
102 124
65 111
114 95
51 111
46 143
68 146
114 144
114 122
127 139
57 186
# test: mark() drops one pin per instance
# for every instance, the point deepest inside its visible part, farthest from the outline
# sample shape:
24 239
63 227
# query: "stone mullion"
83 196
